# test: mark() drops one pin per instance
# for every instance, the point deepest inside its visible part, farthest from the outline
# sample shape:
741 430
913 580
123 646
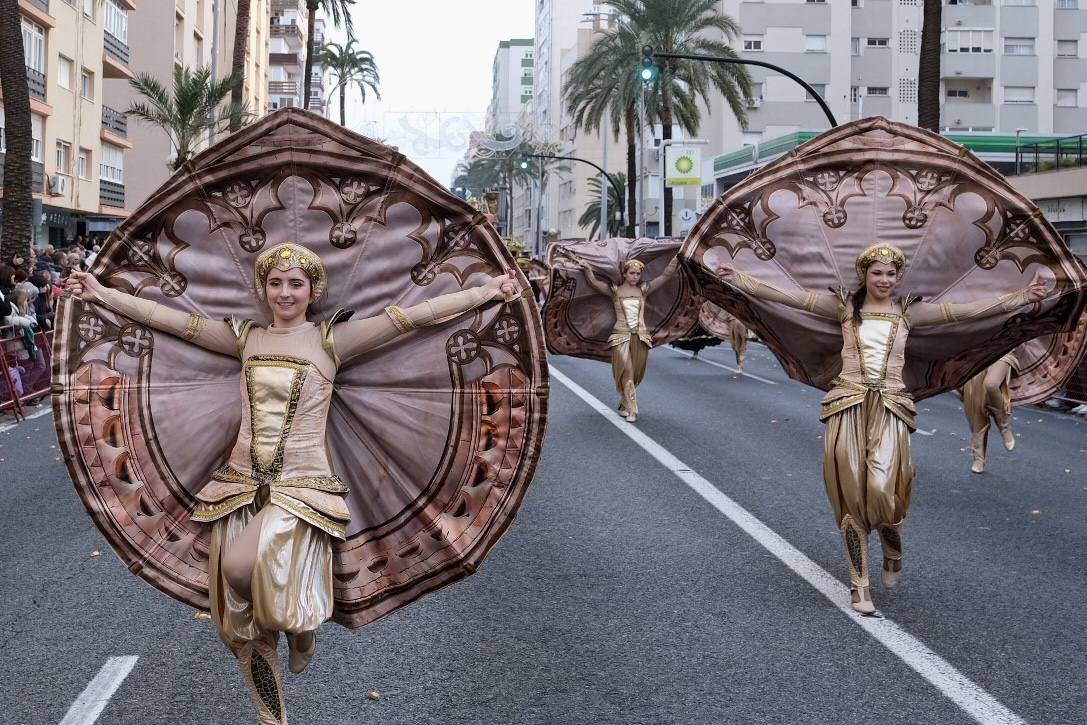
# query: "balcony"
967 65
37 175
317 81
283 88
115 122
36 83
111 193
115 59
281 5
960 115
286 59
43 4
290 32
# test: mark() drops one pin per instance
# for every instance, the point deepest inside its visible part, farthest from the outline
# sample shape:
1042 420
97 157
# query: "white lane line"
94 698
36 414
976 702
723 367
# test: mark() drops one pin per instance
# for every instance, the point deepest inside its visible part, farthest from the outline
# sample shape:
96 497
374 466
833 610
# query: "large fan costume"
593 313
966 245
724 326
379 471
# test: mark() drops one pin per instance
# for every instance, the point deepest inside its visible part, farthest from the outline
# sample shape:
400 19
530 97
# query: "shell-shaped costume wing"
1046 363
801 222
436 434
578 319
715 320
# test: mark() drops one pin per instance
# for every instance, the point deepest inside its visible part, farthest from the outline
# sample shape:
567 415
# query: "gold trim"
809 302
300 367
401 320
206 513
329 484
309 515
949 316
196 322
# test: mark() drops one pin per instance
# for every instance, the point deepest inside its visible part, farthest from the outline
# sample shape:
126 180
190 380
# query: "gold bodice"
632 307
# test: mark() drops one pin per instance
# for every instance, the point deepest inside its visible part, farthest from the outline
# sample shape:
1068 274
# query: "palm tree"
928 68
18 202
190 110
604 85
340 12
591 216
684 26
351 67
237 62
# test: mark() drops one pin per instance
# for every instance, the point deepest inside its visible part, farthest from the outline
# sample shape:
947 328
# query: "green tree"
237 61
18 201
340 13
687 26
196 104
352 67
591 216
928 68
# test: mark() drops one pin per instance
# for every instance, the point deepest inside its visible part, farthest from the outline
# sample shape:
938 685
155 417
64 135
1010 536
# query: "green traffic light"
524 164
647 74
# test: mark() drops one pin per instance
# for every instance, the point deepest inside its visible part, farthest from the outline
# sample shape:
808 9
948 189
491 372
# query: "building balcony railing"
110 193
281 5
115 47
293 59
114 121
287 30
1051 155
283 88
37 175
36 83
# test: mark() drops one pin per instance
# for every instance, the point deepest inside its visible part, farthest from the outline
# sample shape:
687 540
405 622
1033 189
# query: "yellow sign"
683 166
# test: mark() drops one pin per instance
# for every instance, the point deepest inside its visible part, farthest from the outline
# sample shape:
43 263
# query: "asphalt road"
619 595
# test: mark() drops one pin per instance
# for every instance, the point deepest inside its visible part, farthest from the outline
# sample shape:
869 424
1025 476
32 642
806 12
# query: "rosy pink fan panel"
578 319
437 434
800 222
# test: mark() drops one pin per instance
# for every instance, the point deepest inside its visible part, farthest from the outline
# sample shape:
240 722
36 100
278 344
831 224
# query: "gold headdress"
288 256
884 253
633 264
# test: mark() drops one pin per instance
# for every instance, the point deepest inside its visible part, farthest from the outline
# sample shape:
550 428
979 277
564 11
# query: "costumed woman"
276 506
630 340
869 413
987 397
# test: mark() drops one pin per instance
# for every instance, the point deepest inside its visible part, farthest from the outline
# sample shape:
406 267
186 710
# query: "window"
876 91
64 72
854 46
856 3
116 21
954 93
198 48
815 1
876 42
1018 94
1067 48
84 164
815 43
1067 4
854 93
1018 46
112 166
88 8
64 157
37 131
820 90
968 41
1018 2
1067 98
33 45
86 83
752 42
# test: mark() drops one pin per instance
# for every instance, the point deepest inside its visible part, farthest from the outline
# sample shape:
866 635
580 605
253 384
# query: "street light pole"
663 152
584 161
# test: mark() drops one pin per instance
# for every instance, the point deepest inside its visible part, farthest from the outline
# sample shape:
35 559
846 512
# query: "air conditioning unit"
57 184
755 102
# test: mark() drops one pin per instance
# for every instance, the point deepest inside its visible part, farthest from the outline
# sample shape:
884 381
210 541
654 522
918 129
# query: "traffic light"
524 164
649 68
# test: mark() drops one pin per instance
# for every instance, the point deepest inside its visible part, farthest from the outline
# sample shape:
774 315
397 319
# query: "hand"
1035 291
83 286
507 286
726 273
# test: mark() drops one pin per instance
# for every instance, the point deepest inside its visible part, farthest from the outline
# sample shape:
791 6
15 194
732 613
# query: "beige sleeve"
355 337
822 304
601 287
924 313
209 334
664 276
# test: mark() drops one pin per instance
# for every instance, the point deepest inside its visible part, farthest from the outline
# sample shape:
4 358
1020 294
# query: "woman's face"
287 293
632 275
881 280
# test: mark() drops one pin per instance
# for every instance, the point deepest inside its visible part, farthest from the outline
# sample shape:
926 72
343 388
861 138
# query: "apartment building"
512 83
255 82
79 142
287 53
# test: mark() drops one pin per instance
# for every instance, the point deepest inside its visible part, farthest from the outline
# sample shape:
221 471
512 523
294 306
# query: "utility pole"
214 63
605 192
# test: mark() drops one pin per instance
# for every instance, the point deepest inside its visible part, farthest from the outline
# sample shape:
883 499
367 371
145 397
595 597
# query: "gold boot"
632 401
977 446
299 658
856 550
260 667
890 537
1003 424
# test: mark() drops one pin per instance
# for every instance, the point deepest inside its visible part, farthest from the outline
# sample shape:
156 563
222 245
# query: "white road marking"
974 701
90 703
723 367
46 410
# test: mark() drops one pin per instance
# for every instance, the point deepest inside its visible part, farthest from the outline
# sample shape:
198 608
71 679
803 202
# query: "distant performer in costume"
869 413
986 398
630 341
276 506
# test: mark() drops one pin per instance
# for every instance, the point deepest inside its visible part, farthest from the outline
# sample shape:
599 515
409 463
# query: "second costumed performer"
869 413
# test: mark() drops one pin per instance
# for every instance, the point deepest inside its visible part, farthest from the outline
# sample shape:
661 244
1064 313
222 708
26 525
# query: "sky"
435 58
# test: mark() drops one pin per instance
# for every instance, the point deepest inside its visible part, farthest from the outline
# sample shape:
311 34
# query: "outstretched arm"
601 287
356 337
924 314
664 276
823 304
209 334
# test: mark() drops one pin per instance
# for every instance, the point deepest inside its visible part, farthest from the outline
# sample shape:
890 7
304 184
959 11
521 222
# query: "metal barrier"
27 376
1058 153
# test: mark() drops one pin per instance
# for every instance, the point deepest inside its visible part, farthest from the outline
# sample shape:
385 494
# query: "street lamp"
1018 156
611 181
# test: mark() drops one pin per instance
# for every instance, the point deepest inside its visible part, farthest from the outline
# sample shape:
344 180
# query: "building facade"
79 141
512 83
255 81
287 54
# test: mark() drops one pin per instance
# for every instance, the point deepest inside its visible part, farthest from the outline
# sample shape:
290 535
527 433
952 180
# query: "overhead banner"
683 166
